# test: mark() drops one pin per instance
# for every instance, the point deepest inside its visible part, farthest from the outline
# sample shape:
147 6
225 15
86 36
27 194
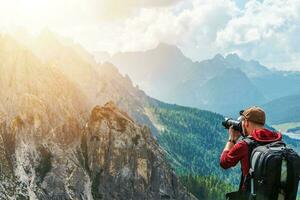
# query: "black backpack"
274 171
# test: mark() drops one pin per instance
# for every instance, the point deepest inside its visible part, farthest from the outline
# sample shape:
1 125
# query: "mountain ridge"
157 79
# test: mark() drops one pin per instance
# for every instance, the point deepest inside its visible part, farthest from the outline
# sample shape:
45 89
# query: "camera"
236 124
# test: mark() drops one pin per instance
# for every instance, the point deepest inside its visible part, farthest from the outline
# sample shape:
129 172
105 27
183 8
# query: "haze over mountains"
56 143
221 84
53 137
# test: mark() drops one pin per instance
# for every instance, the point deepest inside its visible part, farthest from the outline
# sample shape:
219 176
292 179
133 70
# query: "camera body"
236 124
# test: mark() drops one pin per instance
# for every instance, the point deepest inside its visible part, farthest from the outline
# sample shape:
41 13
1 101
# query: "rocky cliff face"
110 157
53 147
125 159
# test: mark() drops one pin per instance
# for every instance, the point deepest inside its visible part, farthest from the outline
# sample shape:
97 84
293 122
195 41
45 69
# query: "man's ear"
247 123
246 126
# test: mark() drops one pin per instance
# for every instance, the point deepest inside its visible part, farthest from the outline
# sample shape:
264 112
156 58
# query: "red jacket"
239 151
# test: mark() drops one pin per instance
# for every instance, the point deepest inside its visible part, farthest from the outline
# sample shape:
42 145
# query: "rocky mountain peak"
112 106
167 50
218 57
233 57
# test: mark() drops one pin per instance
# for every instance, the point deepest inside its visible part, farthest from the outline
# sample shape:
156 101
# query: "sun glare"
34 14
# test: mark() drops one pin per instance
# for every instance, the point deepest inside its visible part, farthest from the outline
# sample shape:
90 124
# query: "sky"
263 30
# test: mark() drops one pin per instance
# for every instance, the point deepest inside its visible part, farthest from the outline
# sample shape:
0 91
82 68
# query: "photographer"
252 123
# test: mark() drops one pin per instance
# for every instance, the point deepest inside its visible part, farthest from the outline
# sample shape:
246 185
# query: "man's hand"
233 134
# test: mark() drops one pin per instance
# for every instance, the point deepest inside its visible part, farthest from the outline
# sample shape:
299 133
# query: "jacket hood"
265 135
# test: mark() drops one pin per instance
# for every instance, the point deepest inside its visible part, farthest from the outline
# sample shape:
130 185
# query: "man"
253 124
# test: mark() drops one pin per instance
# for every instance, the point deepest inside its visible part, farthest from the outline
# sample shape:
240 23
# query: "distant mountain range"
221 84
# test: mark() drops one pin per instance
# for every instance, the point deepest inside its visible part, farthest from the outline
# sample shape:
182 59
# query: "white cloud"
266 31
263 30
192 27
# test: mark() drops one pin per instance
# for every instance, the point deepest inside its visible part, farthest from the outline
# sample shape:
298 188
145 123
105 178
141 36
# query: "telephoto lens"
236 124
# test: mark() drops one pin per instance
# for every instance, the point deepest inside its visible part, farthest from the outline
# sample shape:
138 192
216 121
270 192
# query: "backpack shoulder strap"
252 144
247 140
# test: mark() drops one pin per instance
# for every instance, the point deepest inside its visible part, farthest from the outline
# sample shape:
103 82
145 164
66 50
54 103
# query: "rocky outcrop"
111 157
125 159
